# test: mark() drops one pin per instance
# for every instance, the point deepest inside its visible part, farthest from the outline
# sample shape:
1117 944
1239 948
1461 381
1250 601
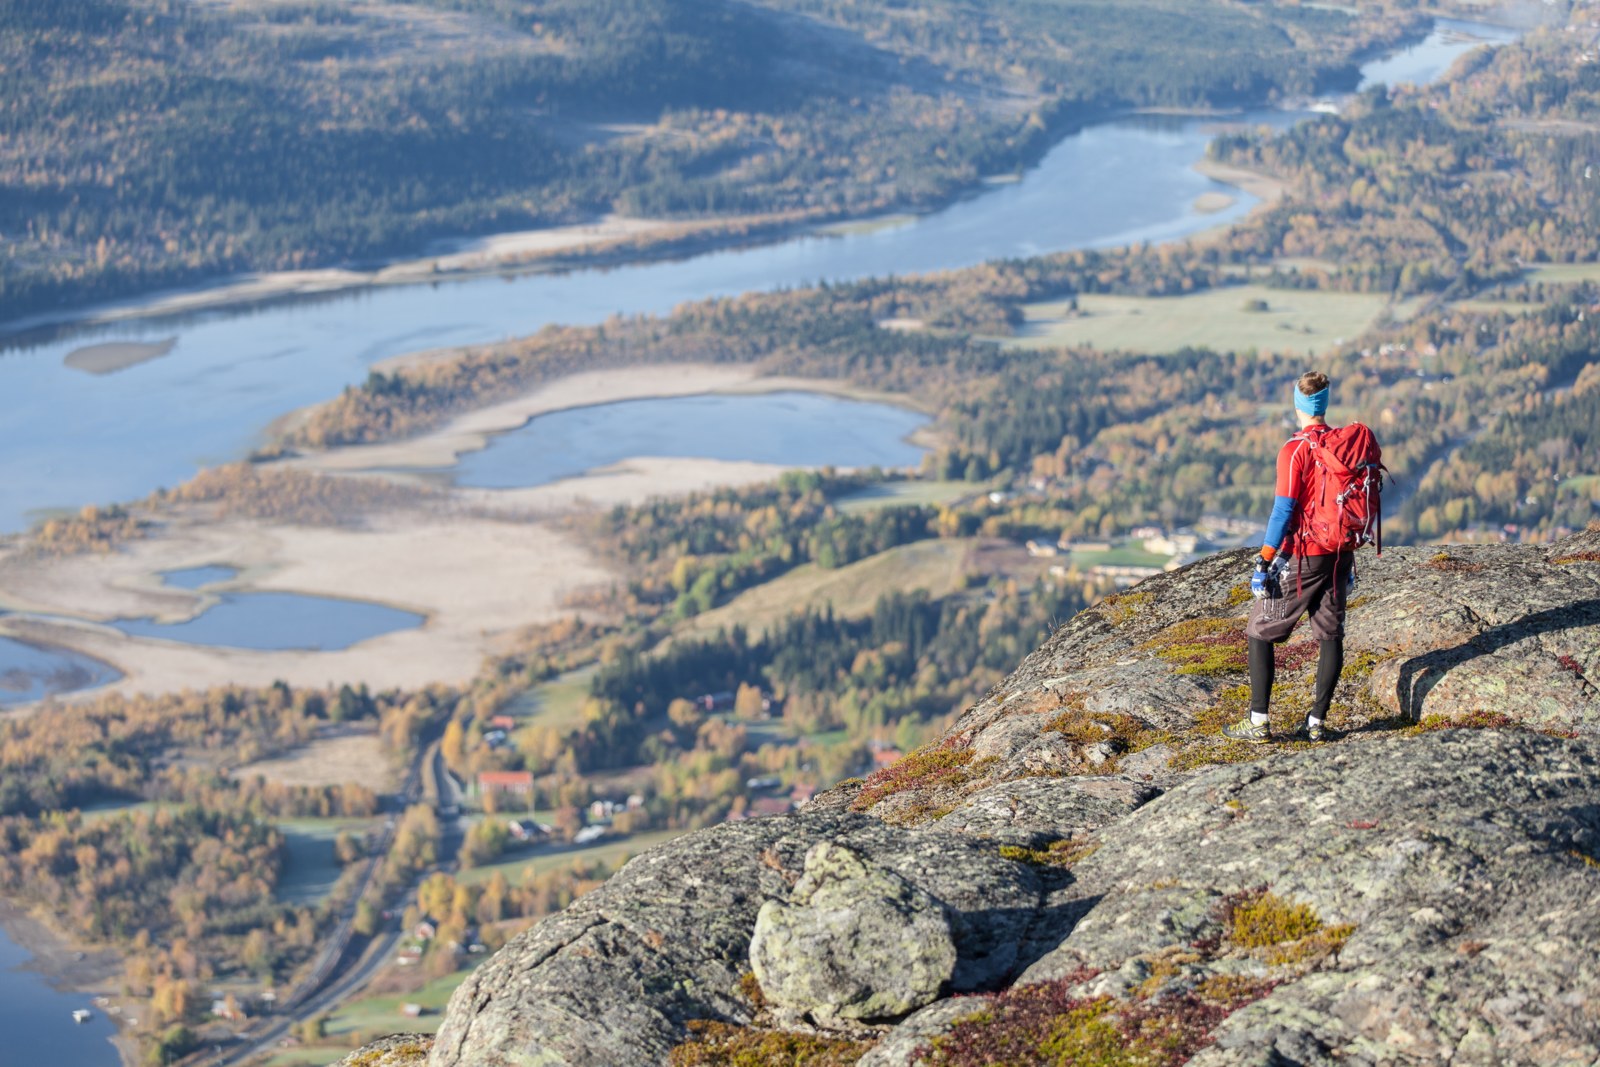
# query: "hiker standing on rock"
1327 505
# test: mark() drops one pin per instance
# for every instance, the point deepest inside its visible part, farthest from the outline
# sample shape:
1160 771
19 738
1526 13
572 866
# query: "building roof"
506 778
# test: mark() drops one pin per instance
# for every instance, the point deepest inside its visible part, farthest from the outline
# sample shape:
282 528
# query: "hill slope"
1098 875
146 143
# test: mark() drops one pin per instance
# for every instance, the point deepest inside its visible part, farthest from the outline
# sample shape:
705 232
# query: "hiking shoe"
1308 732
1244 730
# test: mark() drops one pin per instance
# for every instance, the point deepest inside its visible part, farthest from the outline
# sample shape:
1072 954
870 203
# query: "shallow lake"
32 672
278 622
37 1021
791 429
69 438
199 577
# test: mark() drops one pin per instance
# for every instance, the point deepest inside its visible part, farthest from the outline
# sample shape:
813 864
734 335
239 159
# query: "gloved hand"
1350 581
1264 580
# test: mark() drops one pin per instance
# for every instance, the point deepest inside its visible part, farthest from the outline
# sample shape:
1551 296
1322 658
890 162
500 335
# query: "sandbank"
477 564
476 579
117 355
441 448
627 482
1213 202
459 259
1264 187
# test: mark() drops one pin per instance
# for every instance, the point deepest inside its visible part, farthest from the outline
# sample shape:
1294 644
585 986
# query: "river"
69 437
37 1019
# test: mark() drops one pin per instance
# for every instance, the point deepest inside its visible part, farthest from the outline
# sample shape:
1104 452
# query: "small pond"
790 429
33 672
279 622
37 1018
199 577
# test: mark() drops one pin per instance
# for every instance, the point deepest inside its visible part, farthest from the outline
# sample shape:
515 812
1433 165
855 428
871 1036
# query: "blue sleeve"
1278 525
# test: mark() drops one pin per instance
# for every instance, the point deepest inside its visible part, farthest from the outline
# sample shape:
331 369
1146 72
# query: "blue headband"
1315 404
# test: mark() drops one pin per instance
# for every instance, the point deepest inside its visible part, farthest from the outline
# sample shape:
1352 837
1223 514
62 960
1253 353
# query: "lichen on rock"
1423 890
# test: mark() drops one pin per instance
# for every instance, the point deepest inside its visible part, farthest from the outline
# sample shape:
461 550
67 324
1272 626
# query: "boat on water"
81 1015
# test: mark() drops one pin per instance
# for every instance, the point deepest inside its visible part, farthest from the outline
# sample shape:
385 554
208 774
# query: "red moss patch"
1296 656
1046 1024
927 768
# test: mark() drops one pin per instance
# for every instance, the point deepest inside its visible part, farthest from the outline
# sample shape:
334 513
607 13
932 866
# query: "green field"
557 703
1119 557
938 566
1563 273
903 494
310 869
543 859
1295 322
374 1017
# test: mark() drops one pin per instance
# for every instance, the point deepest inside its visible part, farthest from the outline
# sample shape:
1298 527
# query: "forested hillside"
151 142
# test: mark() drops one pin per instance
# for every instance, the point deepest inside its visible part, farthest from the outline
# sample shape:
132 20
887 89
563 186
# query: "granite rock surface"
1434 872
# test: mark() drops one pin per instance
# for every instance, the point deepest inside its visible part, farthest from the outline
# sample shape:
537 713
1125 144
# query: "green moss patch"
714 1044
1126 733
1120 608
1063 853
1283 933
1474 720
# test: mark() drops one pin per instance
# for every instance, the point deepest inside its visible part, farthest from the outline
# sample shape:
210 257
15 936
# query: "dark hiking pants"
1313 585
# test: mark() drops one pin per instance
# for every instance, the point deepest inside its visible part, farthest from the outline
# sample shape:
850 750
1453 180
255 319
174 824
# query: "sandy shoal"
626 482
1264 187
1213 202
441 448
112 356
521 249
474 578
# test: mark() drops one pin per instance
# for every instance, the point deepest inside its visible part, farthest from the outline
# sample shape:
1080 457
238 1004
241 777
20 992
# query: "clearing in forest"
1230 319
938 566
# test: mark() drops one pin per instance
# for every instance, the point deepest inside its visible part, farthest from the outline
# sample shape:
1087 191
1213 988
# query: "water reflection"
279 622
32 672
788 429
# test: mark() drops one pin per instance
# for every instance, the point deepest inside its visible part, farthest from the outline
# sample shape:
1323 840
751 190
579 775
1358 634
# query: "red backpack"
1343 506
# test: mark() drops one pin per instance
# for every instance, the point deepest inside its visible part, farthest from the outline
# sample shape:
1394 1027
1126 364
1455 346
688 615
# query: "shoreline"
477 564
66 964
610 241
471 431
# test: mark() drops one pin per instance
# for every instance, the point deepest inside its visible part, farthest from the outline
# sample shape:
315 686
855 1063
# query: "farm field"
357 757
557 703
540 860
904 494
310 868
1293 322
938 566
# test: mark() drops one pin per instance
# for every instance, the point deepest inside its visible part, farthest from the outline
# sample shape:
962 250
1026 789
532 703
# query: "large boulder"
614 978
855 941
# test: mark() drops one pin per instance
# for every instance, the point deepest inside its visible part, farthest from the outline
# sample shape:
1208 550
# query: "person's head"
1311 397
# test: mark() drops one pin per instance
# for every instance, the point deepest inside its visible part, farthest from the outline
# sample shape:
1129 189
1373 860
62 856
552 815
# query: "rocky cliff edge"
1082 871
